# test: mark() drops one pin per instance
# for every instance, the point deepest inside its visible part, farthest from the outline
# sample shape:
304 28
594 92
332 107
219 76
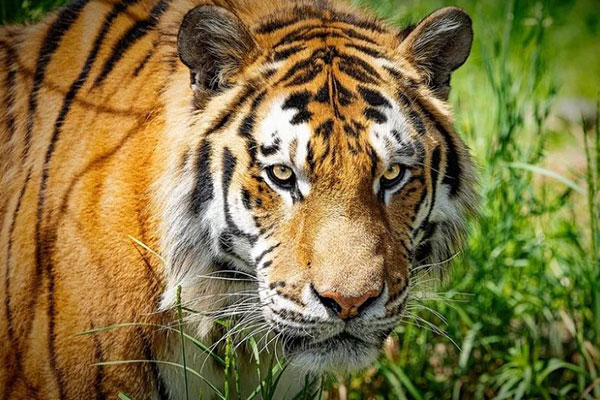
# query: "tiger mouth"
298 344
341 341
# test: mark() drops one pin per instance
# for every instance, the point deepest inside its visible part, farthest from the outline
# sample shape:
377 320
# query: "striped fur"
103 136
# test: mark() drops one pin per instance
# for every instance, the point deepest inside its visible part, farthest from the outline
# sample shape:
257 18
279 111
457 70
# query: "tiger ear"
438 45
214 44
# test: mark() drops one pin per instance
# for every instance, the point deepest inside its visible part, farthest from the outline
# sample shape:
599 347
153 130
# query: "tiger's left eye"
282 175
392 175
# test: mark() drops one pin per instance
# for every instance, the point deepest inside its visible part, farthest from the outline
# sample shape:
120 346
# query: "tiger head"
321 163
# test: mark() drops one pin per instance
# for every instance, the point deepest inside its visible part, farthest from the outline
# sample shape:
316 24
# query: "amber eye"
392 175
282 175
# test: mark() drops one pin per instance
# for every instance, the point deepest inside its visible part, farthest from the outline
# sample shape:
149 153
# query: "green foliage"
520 313
21 11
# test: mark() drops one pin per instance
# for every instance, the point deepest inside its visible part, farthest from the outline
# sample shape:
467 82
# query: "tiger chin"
290 167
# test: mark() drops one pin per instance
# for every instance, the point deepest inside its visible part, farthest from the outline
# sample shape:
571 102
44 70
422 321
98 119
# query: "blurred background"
518 316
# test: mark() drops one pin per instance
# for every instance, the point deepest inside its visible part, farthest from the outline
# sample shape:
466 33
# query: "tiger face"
326 169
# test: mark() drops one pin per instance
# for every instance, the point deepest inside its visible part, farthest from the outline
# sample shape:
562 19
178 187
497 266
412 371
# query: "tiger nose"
346 307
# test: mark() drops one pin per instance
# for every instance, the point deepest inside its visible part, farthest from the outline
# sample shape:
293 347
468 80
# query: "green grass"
520 311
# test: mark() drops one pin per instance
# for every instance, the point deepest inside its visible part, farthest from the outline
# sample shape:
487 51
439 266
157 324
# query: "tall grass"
520 312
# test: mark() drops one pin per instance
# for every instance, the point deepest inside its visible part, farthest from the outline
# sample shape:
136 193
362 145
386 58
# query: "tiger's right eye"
282 175
392 175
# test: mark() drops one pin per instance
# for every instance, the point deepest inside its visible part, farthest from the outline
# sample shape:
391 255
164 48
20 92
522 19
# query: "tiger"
290 167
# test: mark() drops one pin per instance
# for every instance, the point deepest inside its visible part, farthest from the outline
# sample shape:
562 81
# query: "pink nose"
347 307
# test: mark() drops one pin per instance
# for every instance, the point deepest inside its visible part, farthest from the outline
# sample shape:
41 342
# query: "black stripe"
54 35
355 35
272 149
160 386
9 87
367 24
351 131
299 101
9 320
418 204
247 126
305 13
407 149
325 129
373 97
296 67
374 160
433 173
226 244
141 66
355 73
422 252
52 322
397 136
133 34
344 95
308 76
414 119
246 199
368 69
322 95
295 35
98 359
453 169
228 169
367 50
228 269
203 191
264 253
286 53
374 115
272 26
232 109
310 156
305 34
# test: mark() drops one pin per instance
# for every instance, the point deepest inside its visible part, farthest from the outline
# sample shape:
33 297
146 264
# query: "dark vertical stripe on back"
9 321
9 87
45 242
133 34
55 33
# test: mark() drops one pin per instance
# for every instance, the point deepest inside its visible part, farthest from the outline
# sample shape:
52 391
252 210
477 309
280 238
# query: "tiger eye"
392 172
282 173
